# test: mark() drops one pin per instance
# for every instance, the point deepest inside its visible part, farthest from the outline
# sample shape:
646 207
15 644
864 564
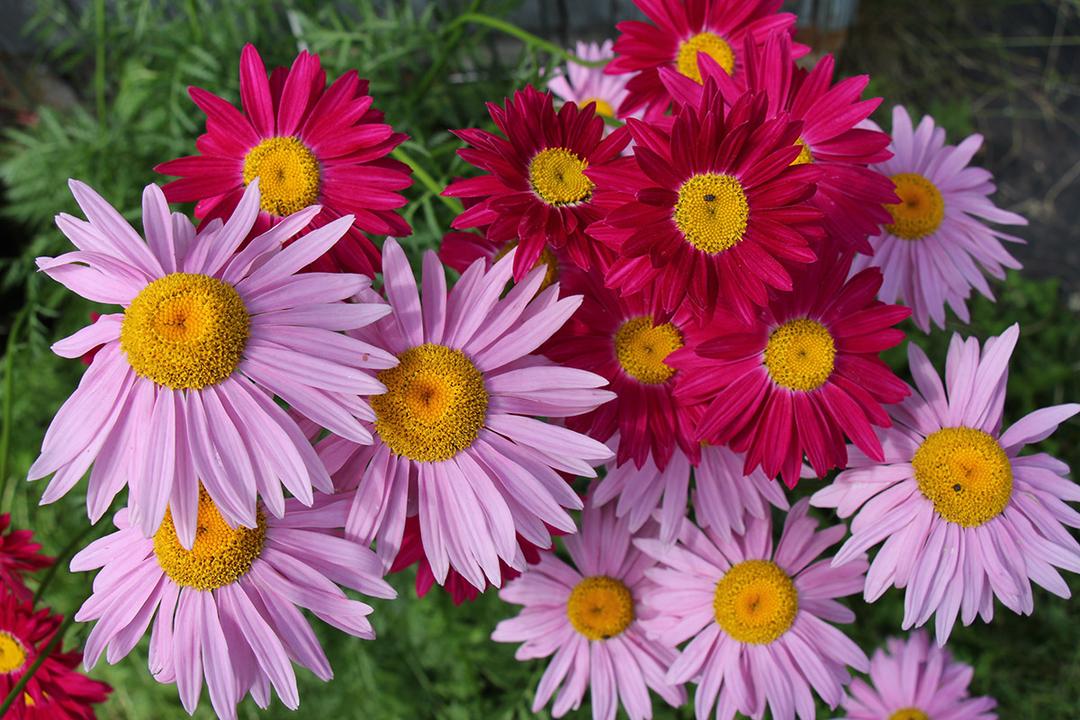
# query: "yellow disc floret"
965 473
705 42
288 174
755 602
909 713
712 212
641 348
800 355
12 653
805 156
434 406
557 176
603 107
185 331
220 556
600 607
920 210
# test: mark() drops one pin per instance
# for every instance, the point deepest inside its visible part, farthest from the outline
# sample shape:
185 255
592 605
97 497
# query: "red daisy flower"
308 144
717 210
536 191
19 554
55 691
850 194
805 373
626 339
683 31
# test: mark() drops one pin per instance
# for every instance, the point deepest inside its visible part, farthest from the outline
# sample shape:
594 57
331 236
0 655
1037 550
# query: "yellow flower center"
909 713
558 177
600 607
965 473
220 556
547 257
755 602
12 653
185 331
641 348
603 107
805 156
800 355
712 212
288 174
705 42
920 210
434 406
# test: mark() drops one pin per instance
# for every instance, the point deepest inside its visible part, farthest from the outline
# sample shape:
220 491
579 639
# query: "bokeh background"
96 89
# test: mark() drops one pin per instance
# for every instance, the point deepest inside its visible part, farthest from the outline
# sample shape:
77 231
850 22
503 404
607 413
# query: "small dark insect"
710 197
957 487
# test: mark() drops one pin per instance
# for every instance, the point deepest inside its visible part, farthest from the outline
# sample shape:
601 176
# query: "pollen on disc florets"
965 473
920 210
288 174
12 653
800 355
600 607
641 348
185 331
712 212
557 176
755 602
220 555
686 61
434 405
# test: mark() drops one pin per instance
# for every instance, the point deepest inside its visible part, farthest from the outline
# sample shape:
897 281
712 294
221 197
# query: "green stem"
42 656
526 37
61 559
426 180
435 70
9 391
99 58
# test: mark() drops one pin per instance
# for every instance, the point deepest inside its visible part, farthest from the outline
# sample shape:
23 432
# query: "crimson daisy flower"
55 691
805 373
717 209
850 194
19 554
308 144
626 339
536 191
681 32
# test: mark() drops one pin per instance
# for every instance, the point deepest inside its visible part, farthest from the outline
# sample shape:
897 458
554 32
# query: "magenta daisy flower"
914 680
308 144
583 85
758 621
589 617
180 391
228 608
458 441
19 555
683 30
803 375
964 517
937 247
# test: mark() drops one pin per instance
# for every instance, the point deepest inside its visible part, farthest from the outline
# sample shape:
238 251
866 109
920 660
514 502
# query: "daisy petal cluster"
19 555
582 85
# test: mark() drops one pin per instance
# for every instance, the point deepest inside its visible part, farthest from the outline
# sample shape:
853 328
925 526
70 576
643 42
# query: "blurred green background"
97 90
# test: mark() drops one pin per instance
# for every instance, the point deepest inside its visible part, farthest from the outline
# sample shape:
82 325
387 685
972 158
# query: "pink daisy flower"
180 390
589 617
583 85
681 31
758 621
914 680
228 608
937 247
964 517
308 144
457 439
803 375
19 555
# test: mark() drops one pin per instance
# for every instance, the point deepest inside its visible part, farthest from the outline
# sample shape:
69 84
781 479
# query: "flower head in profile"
915 680
19 554
308 144
758 619
587 616
962 517
581 85
181 389
228 609
938 246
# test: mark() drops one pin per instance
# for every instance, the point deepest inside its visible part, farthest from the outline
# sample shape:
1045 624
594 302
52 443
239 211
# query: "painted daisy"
758 621
179 391
583 85
308 144
914 680
56 691
458 441
937 247
964 517
803 375
715 209
19 555
535 190
589 617
683 30
228 608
